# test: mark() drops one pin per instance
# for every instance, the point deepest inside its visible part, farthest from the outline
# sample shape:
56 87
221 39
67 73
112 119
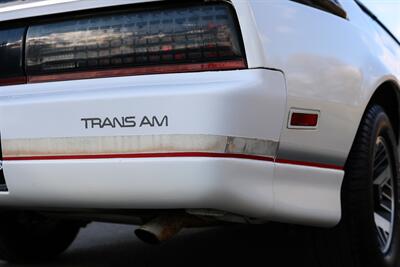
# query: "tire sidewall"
364 224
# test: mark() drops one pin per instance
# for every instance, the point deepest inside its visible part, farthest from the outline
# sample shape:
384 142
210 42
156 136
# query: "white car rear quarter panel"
331 64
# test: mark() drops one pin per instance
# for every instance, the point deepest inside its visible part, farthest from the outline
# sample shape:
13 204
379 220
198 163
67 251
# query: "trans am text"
125 122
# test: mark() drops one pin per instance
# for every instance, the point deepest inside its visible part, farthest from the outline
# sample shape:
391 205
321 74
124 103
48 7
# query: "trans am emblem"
125 122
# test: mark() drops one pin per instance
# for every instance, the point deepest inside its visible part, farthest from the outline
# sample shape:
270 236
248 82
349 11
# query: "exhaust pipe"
160 229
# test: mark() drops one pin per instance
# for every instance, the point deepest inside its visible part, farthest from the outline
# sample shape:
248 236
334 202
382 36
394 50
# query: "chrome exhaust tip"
160 229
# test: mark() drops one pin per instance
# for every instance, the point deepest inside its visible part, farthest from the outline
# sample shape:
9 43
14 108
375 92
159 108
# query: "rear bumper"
218 150
253 188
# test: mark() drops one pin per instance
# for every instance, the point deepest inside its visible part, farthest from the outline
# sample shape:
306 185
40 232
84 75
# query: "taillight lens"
195 38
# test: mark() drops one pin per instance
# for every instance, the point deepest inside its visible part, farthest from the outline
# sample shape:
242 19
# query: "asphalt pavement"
100 245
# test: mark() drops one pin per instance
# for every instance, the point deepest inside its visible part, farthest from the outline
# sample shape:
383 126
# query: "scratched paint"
137 144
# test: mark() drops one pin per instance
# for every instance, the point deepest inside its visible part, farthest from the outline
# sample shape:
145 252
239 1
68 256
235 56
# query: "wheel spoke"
382 223
386 196
381 237
383 177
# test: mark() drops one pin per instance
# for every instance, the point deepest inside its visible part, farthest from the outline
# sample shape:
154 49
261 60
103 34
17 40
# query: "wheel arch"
387 95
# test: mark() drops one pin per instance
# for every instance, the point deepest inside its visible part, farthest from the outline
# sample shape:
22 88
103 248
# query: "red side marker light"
303 120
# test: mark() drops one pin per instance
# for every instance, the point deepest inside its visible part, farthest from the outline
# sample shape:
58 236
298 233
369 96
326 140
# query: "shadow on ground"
101 245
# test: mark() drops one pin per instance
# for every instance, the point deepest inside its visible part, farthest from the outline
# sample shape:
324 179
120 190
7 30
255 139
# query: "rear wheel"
384 195
368 234
30 237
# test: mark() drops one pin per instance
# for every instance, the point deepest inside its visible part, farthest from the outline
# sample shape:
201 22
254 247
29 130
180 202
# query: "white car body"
52 161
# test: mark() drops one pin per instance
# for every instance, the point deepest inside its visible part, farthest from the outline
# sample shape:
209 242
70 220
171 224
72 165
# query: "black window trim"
330 6
377 20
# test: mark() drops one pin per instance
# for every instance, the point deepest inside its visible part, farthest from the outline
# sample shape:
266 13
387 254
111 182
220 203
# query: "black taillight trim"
13 80
3 183
12 55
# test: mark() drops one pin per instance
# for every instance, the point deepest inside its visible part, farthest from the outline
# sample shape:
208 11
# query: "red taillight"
303 120
195 38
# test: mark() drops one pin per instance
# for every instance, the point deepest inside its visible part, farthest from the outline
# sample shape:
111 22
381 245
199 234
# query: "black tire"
32 238
355 242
